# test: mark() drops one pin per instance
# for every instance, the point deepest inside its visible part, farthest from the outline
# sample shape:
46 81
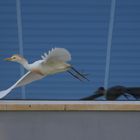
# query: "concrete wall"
69 125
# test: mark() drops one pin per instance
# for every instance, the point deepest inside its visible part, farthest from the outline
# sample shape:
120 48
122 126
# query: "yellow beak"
8 59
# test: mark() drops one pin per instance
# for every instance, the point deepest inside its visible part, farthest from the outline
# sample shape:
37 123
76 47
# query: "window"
102 36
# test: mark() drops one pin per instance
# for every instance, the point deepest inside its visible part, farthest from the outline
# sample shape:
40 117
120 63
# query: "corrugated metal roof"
82 27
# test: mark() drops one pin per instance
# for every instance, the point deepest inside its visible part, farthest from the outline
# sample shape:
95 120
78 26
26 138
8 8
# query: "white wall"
69 125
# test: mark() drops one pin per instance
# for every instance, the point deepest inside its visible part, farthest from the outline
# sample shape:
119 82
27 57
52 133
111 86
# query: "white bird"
53 62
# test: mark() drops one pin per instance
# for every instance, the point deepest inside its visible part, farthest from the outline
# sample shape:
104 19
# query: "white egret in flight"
53 62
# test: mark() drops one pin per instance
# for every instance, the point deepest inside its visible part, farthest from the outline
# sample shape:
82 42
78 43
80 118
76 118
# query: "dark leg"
79 73
74 75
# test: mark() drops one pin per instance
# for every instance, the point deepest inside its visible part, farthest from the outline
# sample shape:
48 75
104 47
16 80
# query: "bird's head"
101 90
15 58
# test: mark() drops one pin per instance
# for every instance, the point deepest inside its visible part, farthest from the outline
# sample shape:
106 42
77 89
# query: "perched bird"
114 92
53 62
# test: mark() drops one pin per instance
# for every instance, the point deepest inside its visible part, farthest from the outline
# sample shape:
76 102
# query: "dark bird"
114 92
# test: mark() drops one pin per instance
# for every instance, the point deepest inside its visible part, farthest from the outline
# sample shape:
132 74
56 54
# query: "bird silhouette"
114 92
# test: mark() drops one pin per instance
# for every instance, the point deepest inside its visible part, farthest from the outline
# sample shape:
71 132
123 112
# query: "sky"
81 26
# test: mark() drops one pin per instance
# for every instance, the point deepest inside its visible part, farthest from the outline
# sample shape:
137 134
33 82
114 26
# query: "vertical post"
20 39
109 42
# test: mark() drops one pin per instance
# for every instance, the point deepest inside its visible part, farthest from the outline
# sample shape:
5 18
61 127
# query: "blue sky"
82 27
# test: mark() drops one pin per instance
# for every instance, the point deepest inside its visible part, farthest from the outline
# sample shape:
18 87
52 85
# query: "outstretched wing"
28 78
57 55
24 80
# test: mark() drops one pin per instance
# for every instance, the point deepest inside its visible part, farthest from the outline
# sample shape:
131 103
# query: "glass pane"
9 72
79 26
125 56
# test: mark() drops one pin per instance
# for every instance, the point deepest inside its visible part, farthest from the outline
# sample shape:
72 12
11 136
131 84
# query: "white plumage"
25 79
57 54
53 62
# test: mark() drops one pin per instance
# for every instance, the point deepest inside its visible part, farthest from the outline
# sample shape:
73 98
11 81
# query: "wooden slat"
69 105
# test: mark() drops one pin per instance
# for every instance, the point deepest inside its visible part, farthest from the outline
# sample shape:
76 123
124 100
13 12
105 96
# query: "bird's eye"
14 57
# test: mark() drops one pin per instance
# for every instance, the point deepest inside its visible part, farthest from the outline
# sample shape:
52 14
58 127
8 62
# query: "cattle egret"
53 62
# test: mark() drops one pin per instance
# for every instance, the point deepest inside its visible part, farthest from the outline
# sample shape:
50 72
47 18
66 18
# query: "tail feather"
134 91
